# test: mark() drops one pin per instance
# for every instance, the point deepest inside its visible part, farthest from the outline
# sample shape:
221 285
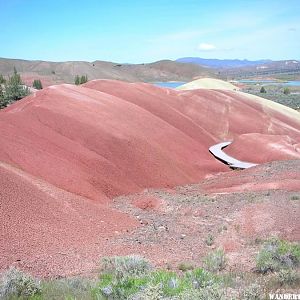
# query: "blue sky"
145 31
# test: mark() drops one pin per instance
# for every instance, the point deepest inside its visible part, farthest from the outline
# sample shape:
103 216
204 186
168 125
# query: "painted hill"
64 72
67 150
118 137
208 83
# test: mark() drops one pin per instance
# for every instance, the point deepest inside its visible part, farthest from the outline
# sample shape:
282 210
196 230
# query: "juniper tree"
77 80
83 79
2 79
14 89
263 90
37 84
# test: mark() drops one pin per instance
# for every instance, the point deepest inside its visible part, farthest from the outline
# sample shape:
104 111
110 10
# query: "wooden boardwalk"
217 152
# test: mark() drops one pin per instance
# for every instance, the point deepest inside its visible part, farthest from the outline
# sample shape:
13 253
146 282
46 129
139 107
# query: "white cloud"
206 47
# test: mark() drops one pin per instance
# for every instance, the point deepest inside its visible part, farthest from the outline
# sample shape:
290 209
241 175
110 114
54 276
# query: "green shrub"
277 254
295 197
2 101
13 90
77 80
67 288
201 278
209 240
212 292
262 90
150 292
2 79
83 79
126 266
171 284
215 261
14 283
130 278
288 276
286 91
80 79
122 276
253 292
37 84
185 267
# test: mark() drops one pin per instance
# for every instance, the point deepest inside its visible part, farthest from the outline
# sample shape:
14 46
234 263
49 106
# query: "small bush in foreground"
67 288
171 284
201 278
215 261
126 266
213 292
209 240
122 276
253 292
150 292
288 276
185 267
132 277
15 283
276 255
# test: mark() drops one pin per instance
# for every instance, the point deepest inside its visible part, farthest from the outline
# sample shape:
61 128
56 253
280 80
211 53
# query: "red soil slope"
218 113
97 145
67 150
268 148
277 175
49 229
116 137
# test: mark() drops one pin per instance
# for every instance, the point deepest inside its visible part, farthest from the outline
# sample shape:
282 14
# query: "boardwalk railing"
217 152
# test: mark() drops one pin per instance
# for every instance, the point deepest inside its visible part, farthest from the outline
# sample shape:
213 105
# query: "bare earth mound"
67 151
208 83
50 231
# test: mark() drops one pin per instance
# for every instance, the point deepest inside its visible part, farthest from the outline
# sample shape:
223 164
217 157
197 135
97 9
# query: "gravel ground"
184 224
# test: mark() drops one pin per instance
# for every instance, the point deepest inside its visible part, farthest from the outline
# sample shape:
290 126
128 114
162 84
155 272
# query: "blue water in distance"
271 82
170 84
175 84
293 83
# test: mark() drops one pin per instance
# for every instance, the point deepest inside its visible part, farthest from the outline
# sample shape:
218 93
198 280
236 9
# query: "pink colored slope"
267 148
98 145
279 175
65 151
49 231
217 113
108 138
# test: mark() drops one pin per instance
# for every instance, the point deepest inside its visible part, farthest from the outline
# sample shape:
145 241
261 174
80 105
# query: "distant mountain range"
222 63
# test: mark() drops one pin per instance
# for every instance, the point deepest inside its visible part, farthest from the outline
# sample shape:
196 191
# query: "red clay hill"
67 150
